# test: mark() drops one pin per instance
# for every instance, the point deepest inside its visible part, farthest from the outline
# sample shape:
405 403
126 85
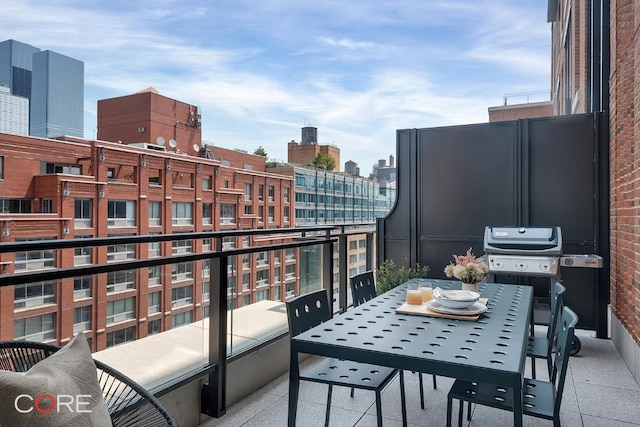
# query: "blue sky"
261 70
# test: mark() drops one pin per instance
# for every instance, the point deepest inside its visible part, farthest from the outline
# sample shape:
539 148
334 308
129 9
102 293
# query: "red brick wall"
624 164
520 111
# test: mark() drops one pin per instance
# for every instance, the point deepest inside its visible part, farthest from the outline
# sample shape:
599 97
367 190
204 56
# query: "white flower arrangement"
468 268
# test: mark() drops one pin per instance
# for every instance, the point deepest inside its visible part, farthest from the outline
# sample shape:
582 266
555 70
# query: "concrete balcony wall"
158 360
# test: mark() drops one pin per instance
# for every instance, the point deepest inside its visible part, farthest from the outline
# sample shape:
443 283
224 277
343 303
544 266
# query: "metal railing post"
343 270
216 403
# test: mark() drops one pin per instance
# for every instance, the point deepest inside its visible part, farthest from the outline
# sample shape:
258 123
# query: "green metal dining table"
491 349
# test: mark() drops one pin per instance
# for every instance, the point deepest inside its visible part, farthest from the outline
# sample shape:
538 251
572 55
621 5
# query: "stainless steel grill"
530 251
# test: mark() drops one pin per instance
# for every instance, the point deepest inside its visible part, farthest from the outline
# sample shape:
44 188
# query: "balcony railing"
313 246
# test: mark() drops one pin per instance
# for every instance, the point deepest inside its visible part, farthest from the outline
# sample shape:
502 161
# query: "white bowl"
457 301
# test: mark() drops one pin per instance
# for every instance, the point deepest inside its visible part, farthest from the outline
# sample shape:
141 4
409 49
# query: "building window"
121 252
154 303
180 319
35 260
285 191
262 277
182 213
207 213
206 183
29 295
271 213
262 295
206 245
272 191
82 213
36 328
120 310
206 291
155 214
247 192
120 281
154 275
122 336
81 319
16 205
290 271
260 192
286 213
248 209
153 327
260 213
246 261
227 213
246 300
353 245
181 271
46 205
121 213
82 287
53 168
276 293
246 281
276 274
353 259
82 256
206 268
290 254
181 296
154 248
179 247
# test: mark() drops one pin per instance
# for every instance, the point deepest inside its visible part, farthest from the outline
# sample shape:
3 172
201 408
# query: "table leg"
517 406
294 388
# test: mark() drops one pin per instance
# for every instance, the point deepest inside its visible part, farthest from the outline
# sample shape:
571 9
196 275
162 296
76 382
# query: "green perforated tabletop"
491 349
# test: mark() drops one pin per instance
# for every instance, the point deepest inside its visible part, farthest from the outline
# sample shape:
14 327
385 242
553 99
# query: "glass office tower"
57 96
15 67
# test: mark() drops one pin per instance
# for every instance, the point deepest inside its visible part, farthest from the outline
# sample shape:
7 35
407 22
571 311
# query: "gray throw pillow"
61 390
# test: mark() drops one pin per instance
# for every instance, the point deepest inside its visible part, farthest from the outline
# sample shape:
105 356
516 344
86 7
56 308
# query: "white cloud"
261 70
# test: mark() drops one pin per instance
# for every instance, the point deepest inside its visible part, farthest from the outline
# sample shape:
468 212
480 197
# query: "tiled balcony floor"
599 391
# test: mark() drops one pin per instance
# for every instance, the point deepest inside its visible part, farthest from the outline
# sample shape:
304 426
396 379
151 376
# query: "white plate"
475 308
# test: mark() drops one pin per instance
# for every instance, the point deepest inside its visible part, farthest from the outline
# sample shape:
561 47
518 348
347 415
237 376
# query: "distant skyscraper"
53 83
57 96
14 113
15 66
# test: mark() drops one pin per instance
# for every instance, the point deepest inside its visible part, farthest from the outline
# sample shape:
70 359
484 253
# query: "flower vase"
470 286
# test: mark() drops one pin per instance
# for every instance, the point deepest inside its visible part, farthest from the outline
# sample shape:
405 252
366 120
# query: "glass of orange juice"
414 294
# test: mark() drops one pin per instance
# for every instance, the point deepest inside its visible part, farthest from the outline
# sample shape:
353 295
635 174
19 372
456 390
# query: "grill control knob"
544 266
497 264
522 266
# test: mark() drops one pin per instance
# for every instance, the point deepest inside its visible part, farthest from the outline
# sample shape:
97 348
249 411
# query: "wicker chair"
128 403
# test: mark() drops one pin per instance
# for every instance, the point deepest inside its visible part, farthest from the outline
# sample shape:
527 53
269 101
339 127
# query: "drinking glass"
414 294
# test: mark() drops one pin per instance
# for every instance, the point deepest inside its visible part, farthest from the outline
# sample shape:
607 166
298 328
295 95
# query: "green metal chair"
542 347
128 403
363 289
541 399
311 309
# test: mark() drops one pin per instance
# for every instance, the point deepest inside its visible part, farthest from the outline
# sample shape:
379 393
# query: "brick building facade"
73 188
578 59
624 156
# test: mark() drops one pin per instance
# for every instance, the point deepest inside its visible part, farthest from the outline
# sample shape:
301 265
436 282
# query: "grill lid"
523 240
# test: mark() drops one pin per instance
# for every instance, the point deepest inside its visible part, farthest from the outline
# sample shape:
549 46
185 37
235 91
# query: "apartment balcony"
231 368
